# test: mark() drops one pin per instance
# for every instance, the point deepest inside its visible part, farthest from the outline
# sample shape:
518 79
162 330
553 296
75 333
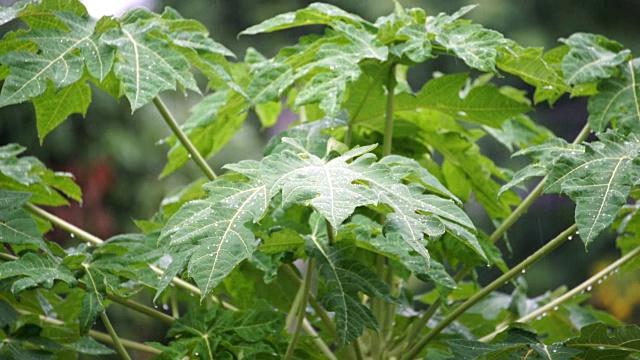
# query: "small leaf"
592 57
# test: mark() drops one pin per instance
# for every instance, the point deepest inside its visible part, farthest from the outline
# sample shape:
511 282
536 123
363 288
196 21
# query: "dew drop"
165 306
599 281
73 235
524 271
332 67
189 156
570 237
544 314
589 288
555 308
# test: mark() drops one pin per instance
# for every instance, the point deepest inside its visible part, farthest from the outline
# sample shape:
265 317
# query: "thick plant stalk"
114 336
585 286
301 310
184 140
379 308
413 352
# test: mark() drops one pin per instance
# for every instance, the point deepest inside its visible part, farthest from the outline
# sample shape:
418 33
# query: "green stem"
357 349
302 307
320 311
585 286
184 140
387 143
62 224
517 270
133 345
114 336
378 306
145 310
100 336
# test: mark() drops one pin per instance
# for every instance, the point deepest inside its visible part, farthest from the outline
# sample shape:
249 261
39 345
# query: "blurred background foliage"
116 157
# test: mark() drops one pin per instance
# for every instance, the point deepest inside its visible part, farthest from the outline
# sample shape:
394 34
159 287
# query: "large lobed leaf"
56 61
214 231
314 14
592 57
598 176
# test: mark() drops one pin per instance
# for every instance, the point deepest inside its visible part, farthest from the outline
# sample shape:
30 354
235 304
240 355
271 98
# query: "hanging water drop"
589 288
555 308
524 271
73 235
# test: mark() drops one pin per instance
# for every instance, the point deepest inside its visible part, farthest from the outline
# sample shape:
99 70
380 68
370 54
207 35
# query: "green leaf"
17 227
35 269
52 108
215 230
517 342
416 45
592 57
475 45
599 181
328 185
147 65
90 347
280 241
8 13
270 82
617 101
268 113
28 174
93 301
481 104
56 61
314 14
520 131
344 279
259 322
328 87
596 343
528 64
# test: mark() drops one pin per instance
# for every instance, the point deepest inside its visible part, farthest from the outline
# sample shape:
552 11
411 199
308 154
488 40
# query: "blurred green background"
114 155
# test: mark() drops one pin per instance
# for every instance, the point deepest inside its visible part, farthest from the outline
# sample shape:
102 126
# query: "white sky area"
100 8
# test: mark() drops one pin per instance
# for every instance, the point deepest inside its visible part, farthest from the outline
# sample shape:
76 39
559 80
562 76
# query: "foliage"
308 252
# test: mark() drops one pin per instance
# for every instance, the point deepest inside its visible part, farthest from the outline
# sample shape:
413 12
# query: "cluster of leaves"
363 217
